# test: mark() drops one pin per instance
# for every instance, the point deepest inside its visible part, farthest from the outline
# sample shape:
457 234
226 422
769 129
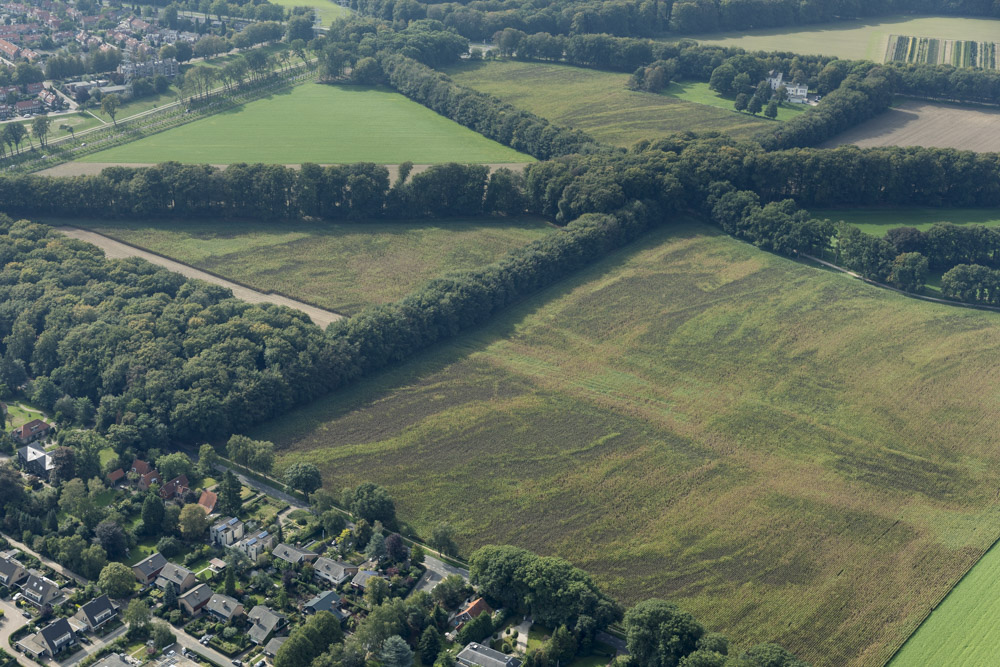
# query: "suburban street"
95 646
190 643
11 623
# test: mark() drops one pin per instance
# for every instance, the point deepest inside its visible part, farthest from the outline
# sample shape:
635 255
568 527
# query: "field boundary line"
339 316
923 297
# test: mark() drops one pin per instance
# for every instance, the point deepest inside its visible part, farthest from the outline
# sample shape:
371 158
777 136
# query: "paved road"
51 563
117 250
12 621
95 646
619 644
191 644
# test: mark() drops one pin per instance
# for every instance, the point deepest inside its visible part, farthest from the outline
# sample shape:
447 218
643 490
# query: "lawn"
788 453
599 103
327 10
342 267
322 124
700 93
859 40
878 221
19 414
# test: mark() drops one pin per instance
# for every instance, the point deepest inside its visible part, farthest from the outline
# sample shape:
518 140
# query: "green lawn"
599 103
788 453
322 124
700 93
964 631
325 9
342 267
878 221
858 40
18 414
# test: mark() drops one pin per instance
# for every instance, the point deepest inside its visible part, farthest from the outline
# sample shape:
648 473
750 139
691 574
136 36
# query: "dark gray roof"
40 585
94 608
175 574
332 569
197 595
477 654
55 631
151 564
324 601
222 605
11 568
265 622
113 660
291 554
271 648
362 577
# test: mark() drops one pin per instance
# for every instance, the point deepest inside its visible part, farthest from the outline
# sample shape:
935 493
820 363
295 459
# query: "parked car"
237 662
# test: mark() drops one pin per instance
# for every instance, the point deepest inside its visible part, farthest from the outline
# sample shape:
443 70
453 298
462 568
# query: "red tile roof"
174 486
475 608
208 500
116 476
141 467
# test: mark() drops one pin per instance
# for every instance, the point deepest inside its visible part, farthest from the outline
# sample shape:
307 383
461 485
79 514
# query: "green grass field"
327 10
322 124
879 221
788 453
599 103
342 267
700 93
965 629
858 40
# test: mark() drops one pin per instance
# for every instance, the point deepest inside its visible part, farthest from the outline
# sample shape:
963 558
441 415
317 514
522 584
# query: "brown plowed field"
929 124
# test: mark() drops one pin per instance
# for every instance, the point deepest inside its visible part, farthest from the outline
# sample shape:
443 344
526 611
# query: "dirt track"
928 124
117 250
93 168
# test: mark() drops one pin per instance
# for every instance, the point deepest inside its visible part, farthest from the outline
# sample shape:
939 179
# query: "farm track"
95 168
117 250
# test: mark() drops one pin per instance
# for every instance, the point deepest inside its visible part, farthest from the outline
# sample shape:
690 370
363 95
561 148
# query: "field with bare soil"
928 124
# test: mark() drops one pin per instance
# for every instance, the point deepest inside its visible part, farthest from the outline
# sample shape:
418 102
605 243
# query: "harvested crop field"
928 124
788 453
338 266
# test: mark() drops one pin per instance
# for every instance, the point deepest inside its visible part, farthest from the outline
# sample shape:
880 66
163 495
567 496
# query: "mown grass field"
599 103
965 629
322 124
700 93
327 10
341 267
788 453
879 221
858 40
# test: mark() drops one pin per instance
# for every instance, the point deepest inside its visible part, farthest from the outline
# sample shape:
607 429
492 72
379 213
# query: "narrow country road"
117 250
51 563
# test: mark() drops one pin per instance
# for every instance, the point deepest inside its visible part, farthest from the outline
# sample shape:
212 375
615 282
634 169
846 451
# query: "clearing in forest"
856 40
321 124
788 453
879 221
339 266
326 10
599 103
928 124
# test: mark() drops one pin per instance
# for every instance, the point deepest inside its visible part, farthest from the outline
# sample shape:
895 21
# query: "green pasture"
788 453
879 221
344 266
858 40
964 631
700 93
327 10
599 103
322 124
19 414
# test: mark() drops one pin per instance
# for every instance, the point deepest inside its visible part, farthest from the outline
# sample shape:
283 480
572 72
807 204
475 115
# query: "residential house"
208 500
326 601
12 573
360 580
34 460
472 610
140 467
334 571
483 656
97 612
195 599
227 532
34 89
224 608
149 479
294 555
113 660
178 486
181 578
50 640
151 68
36 429
39 591
265 623
271 648
798 93
149 568
256 545
116 476
8 50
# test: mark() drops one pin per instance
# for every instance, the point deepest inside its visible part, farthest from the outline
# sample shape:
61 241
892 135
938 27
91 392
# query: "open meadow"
928 124
598 102
790 454
700 93
322 124
342 267
879 221
327 10
865 39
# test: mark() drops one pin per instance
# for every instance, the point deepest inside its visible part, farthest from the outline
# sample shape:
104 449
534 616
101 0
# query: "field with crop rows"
929 50
341 267
599 103
788 453
322 124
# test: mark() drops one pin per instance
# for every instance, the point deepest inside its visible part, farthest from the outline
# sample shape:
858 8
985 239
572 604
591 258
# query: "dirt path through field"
117 250
94 168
